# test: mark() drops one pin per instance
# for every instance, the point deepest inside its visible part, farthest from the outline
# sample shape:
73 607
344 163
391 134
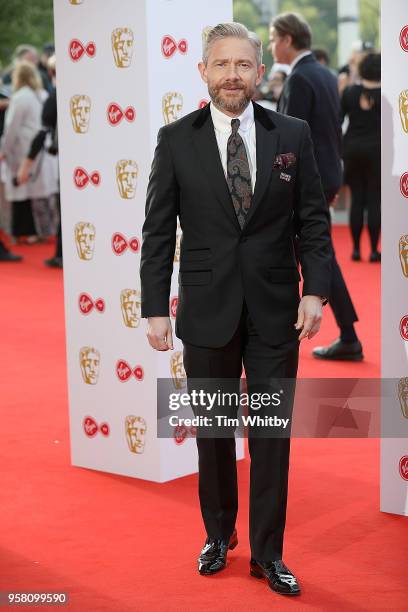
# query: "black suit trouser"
339 296
218 489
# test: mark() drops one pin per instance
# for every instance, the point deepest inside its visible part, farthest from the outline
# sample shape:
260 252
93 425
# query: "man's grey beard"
232 107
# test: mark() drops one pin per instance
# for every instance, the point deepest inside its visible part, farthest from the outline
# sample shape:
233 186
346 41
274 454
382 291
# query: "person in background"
22 122
43 67
362 152
49 126
321 56
310 93
348 74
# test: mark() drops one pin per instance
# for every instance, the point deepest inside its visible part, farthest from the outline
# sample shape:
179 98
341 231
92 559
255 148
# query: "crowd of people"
29 178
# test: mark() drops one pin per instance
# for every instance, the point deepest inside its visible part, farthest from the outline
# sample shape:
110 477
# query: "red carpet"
115 543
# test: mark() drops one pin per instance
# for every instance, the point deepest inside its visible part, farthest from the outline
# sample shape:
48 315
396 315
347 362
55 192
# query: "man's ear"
260 73
203 71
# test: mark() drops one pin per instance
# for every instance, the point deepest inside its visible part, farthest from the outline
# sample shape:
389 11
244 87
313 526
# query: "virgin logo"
91 427
115 114
403 467
76 49
404 184
169 46
87 304
173 306
202 103
124 371
120 244
82 178
404 327
181 432
404 38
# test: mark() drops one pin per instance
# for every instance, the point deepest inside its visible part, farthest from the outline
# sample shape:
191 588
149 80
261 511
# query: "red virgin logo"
124 371
76 49
82 178
404 184
169 46
120 244
115 113
173 306
404 38
87 304
403 467
91 427
404 327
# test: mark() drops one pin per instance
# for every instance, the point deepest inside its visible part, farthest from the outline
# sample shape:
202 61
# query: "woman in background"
362 153
22 122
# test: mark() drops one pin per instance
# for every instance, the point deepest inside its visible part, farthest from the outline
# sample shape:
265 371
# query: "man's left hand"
309 316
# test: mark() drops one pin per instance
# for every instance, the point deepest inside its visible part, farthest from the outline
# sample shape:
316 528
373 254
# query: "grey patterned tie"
238 174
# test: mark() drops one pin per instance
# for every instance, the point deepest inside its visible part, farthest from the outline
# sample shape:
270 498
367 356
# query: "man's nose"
232 72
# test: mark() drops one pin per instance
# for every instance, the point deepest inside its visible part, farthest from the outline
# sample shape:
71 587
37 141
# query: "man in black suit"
311 93
239 178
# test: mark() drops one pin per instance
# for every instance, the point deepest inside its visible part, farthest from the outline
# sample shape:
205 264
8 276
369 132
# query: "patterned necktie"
238 174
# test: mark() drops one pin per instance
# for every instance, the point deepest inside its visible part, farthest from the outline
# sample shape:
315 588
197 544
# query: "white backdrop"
124 68
394 452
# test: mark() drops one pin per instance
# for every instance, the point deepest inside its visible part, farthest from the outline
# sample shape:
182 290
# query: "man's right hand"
159 333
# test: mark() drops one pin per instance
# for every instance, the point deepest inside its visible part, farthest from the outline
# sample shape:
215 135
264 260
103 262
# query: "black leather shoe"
54 262
340 350
213 557
355 256
279 577
375 257
7 256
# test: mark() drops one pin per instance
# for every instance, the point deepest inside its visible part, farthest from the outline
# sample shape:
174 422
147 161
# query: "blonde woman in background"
31 214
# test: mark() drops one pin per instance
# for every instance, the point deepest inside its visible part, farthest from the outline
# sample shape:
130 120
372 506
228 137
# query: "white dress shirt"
247 131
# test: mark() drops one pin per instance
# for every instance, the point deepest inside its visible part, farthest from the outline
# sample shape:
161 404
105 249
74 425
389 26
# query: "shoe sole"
351 357
260 576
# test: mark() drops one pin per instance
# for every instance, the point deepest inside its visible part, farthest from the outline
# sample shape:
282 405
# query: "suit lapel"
206 147
267 142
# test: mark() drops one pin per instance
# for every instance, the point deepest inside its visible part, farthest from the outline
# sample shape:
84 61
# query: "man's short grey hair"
230 30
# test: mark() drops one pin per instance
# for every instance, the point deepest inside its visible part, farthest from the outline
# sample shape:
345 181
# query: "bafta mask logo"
89 360
403 395
403 467
403 109
91 427
403 254
76 49
169 46
130 303
173 306
404 328
82 178
404 38
122 46
115 114
135 429
76 2
85 240
126 177
124 371
120 244
80 107
87 304
177 248
177 370
404 184
202 103
172 105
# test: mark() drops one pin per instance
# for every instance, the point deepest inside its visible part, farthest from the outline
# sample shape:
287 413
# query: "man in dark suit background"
311 93
239 178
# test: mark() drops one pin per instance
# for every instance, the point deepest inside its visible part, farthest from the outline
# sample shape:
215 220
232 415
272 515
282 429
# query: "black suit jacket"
311 93
220 264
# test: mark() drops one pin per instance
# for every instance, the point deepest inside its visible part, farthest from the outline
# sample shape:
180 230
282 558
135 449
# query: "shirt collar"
298 58
222 122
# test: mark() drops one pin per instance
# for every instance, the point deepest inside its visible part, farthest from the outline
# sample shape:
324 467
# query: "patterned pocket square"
284 161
